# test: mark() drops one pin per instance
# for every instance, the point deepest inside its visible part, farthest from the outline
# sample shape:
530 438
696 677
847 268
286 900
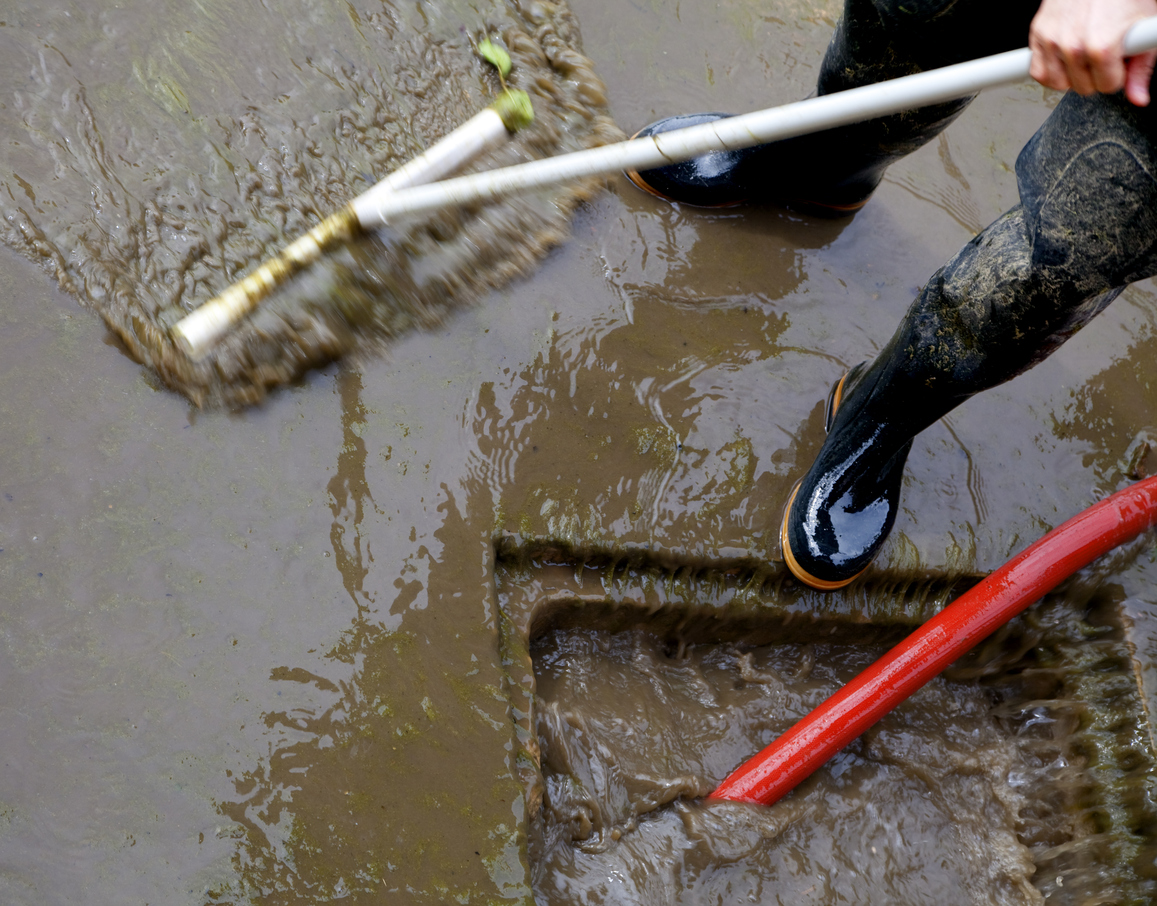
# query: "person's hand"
1077 44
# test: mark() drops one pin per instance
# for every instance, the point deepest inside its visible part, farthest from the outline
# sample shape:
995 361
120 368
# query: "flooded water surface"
453 576
153 159
976 790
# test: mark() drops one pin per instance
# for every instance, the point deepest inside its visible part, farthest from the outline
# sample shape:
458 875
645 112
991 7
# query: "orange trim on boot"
636 178
793 565
833 404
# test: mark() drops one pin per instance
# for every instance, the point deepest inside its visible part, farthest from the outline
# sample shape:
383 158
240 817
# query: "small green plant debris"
513 106
497 57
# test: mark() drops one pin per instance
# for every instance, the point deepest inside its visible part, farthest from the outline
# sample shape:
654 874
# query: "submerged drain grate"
1023 773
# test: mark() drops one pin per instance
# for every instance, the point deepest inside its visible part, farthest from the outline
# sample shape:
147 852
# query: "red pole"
925 653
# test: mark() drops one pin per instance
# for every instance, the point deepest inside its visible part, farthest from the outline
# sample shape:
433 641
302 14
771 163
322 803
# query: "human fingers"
1074 57
1100 27
1058 37
1046 65
1106 63
1139 72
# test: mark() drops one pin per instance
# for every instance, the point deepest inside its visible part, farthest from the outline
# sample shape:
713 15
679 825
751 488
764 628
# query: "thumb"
1139 71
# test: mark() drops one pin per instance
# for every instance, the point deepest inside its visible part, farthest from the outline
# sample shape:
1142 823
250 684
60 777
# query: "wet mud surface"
272 655
919 811
150 164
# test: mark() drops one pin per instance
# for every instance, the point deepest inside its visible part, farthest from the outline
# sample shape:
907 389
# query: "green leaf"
495 56
515 109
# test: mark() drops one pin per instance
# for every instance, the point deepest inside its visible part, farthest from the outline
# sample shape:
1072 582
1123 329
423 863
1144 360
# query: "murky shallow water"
642 689
154 159
256 656
918 811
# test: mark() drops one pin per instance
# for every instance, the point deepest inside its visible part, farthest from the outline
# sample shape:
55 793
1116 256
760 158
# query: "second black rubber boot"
836 171
982 320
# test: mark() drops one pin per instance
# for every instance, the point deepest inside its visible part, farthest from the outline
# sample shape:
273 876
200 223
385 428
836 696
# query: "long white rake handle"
801 118
404 193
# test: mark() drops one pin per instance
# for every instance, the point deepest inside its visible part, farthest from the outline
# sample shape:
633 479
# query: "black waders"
1086 227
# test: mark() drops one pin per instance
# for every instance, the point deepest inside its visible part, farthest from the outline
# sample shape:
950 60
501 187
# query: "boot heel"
836 394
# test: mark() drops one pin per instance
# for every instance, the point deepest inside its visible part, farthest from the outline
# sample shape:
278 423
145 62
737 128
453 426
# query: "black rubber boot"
1086 227
844 508
836 171
709 181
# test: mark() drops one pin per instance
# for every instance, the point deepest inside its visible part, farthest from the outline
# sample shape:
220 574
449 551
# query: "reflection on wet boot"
1086 228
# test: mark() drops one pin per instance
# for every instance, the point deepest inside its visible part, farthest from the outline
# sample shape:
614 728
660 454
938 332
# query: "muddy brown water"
875 827
149 165
978 789
270 655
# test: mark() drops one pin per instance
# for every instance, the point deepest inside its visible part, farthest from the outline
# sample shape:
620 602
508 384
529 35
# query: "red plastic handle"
970 618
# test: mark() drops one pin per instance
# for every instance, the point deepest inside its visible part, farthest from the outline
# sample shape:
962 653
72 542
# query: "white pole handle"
788 121
472 139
